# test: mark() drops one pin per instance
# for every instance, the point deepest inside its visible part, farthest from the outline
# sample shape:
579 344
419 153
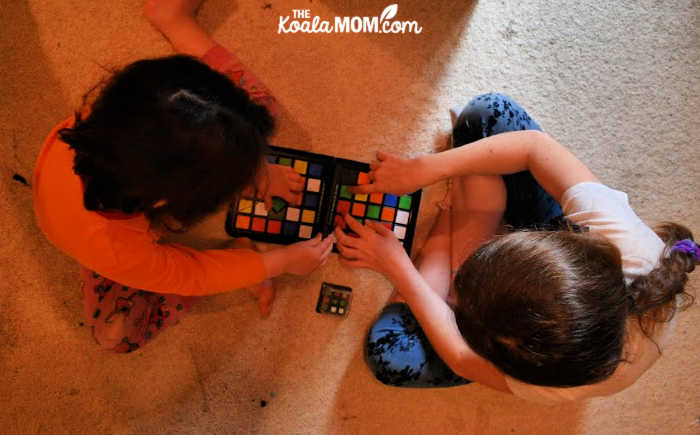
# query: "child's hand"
376 248
280 181
304 257
395 175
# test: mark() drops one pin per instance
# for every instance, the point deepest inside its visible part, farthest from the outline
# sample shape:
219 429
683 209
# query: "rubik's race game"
326 197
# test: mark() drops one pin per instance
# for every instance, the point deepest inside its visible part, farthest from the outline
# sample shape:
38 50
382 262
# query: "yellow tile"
300 166
245 206
307 216
361 197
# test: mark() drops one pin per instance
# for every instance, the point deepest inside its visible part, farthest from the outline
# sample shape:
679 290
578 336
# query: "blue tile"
315 169
271 159
290 228
390 200
310 200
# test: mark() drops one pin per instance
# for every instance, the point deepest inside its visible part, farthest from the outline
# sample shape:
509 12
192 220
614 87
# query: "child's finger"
326 252
364 188
381 156
327 242
355 225
374 165
345 239
268 202
379 228
296 186
348 253
316 240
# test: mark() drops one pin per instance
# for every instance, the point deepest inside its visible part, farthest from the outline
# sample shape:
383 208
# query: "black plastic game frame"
336 173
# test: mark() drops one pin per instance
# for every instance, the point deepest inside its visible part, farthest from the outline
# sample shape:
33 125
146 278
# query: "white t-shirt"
607 212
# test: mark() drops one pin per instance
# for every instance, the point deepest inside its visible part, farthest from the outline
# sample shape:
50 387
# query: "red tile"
274 227
259 224
343 207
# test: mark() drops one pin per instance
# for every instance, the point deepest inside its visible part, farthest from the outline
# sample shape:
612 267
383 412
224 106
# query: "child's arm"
554 167
378 249
175 19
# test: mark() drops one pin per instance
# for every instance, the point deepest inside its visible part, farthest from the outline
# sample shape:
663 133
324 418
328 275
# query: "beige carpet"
619 83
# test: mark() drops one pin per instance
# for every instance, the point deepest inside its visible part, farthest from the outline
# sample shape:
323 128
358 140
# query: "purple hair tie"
688 247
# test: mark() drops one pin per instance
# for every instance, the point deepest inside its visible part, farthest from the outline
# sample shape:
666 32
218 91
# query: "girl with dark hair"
165 143
572 299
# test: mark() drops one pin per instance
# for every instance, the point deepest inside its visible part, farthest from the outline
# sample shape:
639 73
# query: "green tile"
345 193
405 202
284 161
278 204
373 211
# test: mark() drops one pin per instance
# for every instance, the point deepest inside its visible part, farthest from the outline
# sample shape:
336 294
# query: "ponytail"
653 297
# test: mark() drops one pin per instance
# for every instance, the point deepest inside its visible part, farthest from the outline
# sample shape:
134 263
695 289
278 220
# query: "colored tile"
293 214
315 169
405 202
348 176
279 215
313 185
258 224
271 159
305 232
245 206
390 200
284 161
388 225
400 232
290 228
343 207
274 227
300 166
278 204
260 209
339 222
358 209
345 193
242 222
308 216
402 217
311 200
388 214
376 198
363 178
361 197
373 211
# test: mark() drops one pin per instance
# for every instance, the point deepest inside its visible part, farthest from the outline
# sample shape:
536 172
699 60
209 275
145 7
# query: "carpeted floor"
618 82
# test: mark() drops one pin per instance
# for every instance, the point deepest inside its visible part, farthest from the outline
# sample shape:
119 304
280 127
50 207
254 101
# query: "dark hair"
168 129
551 308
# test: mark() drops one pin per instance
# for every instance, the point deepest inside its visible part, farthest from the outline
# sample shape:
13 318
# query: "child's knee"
392 357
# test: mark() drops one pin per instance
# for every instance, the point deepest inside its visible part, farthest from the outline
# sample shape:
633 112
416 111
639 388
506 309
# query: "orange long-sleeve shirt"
122 247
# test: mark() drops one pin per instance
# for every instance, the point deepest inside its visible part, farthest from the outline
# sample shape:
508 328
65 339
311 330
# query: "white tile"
401 217
293 214
400 232
305 232
260 209
314 185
